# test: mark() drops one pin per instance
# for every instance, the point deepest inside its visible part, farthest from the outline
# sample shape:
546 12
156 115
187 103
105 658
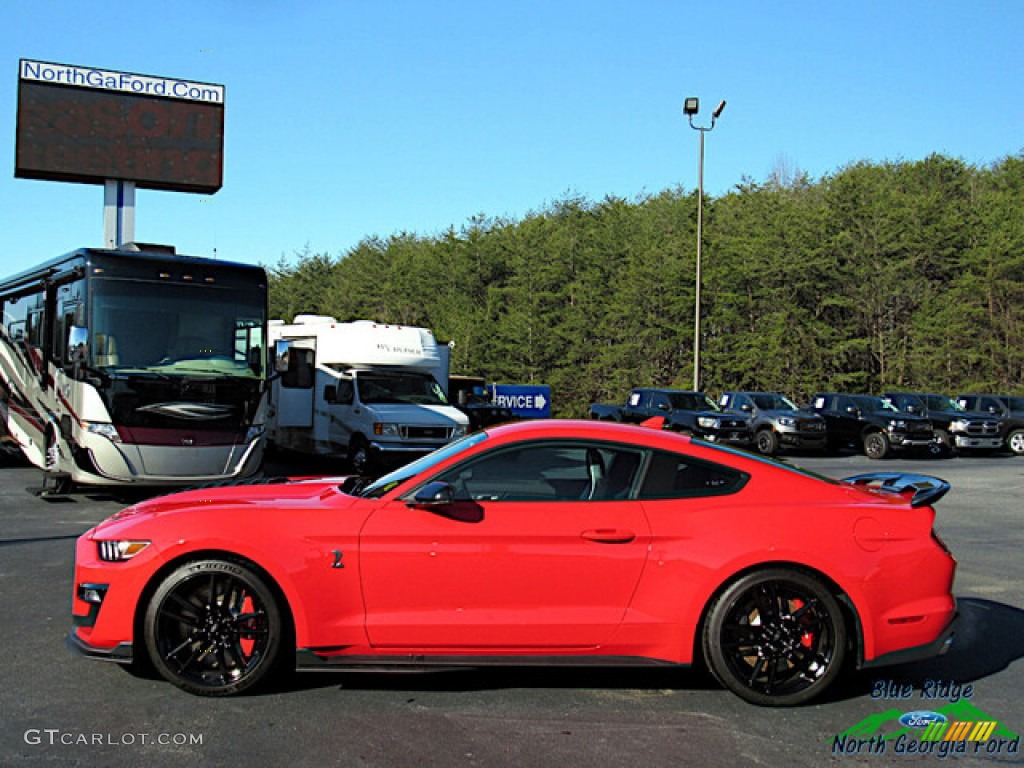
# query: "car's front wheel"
1015 442
214 628
876 445
775 637
767 442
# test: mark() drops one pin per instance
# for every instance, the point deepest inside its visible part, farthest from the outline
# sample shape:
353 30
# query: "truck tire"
876 445
1015 442
767 442
941 445
360 456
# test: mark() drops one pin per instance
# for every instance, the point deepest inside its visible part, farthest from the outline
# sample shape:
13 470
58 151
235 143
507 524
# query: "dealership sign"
90 125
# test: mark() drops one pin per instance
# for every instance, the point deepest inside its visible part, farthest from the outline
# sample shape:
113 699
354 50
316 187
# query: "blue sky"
346 120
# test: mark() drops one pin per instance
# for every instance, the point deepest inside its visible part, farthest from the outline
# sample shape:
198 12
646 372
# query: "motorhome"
368 392
135 366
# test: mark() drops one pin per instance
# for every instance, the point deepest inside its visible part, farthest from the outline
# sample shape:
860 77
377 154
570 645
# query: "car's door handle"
609 535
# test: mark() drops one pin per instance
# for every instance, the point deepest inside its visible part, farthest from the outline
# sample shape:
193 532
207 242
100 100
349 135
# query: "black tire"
767 442
876 445
775 637
214 628
941 445
1015 442
360 456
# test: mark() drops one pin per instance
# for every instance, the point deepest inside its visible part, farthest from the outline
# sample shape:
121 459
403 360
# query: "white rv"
370 392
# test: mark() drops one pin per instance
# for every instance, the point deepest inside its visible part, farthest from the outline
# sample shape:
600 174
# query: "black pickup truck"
871 424
1008 409
691 412
955 427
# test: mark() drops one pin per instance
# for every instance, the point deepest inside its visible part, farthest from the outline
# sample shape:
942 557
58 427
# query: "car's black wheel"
360 456
775 637
876 445
1015 442
214 628
767 442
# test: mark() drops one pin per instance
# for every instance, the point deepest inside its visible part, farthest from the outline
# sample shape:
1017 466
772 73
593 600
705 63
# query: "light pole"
691 107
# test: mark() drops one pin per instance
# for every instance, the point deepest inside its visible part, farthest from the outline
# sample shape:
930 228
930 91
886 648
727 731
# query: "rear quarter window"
674 476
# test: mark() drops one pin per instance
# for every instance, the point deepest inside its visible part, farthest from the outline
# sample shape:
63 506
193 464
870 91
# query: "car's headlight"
958 425
897 425
104 429
708 422
386 430
786 421
459 430
119 551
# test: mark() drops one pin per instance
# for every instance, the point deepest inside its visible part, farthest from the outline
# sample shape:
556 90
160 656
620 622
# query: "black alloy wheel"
767 442
776 637
876 445
213 628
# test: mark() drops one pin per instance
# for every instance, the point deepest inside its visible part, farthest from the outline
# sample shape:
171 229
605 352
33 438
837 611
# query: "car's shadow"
990 637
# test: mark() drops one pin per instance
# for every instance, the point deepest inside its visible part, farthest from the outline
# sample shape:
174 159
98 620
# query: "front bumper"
122 653
901 440
981 443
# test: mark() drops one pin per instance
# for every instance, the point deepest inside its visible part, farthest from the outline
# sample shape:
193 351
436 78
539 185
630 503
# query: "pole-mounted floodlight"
691 106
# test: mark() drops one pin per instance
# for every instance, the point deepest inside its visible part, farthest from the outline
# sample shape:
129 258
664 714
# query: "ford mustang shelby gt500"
545 542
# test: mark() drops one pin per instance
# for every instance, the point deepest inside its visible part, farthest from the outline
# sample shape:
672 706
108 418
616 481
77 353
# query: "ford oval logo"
921 718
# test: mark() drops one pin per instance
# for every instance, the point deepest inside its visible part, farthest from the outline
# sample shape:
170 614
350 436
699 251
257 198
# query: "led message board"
89 125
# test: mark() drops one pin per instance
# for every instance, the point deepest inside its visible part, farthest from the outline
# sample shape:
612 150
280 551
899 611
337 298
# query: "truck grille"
811 426
983 428
919 427
426 433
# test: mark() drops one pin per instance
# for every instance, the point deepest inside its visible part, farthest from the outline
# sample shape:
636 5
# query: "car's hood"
420 415
281 497
787 412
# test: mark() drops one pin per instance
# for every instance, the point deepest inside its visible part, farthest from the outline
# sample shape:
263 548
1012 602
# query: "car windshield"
392 480
869 403
943 403
381 388
692 401
770 402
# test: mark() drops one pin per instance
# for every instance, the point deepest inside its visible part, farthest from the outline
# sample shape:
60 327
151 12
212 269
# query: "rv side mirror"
281 356
330 393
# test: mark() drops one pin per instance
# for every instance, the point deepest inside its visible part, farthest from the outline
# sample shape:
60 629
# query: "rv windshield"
176 328
402 387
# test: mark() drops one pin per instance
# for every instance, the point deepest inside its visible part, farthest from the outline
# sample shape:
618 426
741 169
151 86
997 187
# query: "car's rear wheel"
775 637
876 445
213 628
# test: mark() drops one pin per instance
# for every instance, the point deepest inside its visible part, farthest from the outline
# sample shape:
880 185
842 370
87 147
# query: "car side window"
674 476
548 472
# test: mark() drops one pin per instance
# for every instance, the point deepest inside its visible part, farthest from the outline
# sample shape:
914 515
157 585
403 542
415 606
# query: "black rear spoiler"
927 490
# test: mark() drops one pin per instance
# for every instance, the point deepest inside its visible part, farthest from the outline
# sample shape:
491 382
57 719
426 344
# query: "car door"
549 561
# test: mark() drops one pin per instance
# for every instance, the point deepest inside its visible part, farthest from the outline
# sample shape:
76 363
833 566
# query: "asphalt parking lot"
60 709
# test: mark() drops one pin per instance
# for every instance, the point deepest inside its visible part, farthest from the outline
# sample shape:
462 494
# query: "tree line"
894 275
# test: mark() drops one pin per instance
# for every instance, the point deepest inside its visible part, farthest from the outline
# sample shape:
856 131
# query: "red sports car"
543 542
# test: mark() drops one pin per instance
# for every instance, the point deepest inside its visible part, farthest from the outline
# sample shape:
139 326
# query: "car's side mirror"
439 497
747 408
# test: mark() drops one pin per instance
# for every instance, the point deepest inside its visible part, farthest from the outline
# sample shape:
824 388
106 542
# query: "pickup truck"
1010 410
777 421
684 411
955 427
872 424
